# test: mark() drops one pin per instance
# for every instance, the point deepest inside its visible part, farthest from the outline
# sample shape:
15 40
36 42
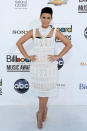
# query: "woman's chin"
45 26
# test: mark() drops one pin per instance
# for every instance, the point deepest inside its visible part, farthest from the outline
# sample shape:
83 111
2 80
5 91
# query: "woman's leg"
42 110
45 109
42 103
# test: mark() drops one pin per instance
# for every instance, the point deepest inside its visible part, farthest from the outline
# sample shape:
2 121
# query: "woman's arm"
22 40
20 43
67 44
65 41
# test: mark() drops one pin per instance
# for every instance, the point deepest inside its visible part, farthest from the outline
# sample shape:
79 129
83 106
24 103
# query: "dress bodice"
44 45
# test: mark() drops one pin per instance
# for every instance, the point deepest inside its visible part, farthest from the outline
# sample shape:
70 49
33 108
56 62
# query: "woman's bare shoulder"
29 34
25 37
58 33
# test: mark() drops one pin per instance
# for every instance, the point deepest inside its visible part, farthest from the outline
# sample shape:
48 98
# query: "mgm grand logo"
66 31
20 4
82 7
17 64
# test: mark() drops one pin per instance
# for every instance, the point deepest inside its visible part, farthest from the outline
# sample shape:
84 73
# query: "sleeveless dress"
43 72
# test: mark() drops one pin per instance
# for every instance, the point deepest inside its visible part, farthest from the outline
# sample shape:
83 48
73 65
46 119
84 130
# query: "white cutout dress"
43 72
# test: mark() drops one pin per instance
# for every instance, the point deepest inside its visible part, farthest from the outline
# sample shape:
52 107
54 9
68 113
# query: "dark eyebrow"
48 17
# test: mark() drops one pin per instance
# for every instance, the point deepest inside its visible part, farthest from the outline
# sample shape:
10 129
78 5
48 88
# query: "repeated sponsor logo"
0 86
60 63
14 31
82 63
82 6
21 4
82 86
17 64
57 2
85 32
61 85
21 86
67 31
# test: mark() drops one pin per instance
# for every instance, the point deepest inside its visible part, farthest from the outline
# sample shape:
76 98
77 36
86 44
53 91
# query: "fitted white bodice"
44 46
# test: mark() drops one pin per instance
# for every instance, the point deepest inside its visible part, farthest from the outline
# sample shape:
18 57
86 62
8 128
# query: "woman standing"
43 61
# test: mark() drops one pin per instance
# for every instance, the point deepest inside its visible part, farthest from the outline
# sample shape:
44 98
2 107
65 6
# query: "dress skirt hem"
50 93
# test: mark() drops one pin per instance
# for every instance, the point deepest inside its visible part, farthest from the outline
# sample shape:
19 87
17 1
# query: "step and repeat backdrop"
17 18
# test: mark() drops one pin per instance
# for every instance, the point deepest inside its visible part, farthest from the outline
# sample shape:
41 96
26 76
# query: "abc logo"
60 63
21 86
85 33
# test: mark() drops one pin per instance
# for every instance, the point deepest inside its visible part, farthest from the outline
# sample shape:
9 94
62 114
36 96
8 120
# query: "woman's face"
45 19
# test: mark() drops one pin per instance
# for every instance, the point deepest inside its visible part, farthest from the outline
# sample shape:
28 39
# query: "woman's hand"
53 58
32 58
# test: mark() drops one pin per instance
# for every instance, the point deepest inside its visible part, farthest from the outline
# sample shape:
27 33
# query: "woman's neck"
45 27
